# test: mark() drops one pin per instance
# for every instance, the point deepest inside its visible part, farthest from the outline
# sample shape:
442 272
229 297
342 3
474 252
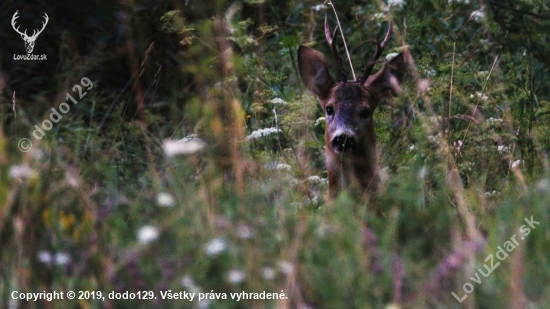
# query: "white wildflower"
286 267
268 273
20 171
314 179
478 15
423 85
384 174
261 133
458 145
482 74
435 121
434 141
396 3
480 95
235 276
283 167
390 56
72 178
494 121
311 201
431 72
469 165
244 232
278 101
319 7
422 173
411 147
322 231
165 199
320 120
317 180
483 97
393 306
38 155
185 146
44 256
516 163
204 303
215 247
315 200
271 165
62 258
503 149
379 16
543 185
251 40
293 182
59 258
188 282
147 234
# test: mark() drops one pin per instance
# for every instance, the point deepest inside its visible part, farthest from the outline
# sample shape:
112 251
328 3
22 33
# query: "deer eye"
365 113
330 110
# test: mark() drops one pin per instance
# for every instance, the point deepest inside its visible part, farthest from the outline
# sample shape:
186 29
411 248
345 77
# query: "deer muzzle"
343 141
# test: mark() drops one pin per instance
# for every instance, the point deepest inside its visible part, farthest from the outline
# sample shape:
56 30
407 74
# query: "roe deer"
350 142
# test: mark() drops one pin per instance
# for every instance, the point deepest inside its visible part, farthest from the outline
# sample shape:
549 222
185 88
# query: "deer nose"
343 142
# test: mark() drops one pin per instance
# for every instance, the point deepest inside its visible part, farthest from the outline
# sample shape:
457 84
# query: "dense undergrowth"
108 201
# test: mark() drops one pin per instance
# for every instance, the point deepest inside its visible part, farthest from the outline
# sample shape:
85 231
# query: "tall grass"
104 202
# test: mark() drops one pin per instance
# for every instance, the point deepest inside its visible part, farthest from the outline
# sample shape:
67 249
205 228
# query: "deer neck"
358 172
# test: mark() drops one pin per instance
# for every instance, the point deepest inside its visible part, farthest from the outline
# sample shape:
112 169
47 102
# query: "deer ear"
314 72
388 80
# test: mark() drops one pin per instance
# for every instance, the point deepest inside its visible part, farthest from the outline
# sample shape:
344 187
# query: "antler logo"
29 40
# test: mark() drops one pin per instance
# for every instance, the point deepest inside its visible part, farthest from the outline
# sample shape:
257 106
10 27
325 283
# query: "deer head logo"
29 40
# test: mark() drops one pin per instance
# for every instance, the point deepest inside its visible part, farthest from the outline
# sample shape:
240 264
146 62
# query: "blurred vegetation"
101 204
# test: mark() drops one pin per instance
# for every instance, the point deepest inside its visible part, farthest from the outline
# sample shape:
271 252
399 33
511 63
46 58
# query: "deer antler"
15 16
34 35
379 49
331 40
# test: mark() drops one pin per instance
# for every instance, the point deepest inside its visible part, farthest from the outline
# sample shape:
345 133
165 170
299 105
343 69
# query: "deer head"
350 142
29 40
